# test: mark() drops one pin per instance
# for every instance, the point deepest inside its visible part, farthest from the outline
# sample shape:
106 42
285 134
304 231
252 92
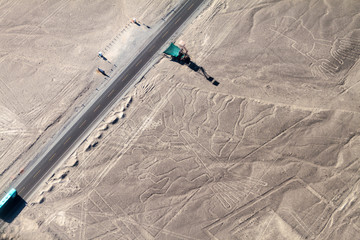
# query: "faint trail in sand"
36 28
105 214
138 226
83 219
8 6
136 135
312 109
263 145
17 105
43 22
136 132
298 219
227 28
190 141
181 208
273 215
38 112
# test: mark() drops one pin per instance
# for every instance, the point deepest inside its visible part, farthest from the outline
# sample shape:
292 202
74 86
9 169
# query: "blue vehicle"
7 198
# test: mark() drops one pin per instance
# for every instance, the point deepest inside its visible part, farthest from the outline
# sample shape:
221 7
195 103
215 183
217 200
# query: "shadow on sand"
102 72
193 66
13 209
142 24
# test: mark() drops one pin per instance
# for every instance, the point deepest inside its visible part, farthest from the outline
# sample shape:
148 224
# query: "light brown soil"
272 152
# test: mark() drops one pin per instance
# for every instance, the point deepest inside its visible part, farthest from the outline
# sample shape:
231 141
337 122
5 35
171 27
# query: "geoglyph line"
227 30
136 135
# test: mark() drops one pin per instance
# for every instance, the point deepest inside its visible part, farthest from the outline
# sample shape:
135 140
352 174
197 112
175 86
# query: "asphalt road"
44 166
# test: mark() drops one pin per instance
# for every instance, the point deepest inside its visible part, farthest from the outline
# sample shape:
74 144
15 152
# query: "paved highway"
34 177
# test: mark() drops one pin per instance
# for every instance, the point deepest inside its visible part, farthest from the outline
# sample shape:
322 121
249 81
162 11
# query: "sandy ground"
48 57
272 152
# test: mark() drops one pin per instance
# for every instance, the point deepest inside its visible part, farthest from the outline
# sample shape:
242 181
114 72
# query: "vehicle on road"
8 199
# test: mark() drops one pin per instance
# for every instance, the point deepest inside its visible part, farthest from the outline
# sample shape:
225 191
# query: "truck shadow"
13 209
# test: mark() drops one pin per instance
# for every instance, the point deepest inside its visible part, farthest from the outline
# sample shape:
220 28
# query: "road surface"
41 170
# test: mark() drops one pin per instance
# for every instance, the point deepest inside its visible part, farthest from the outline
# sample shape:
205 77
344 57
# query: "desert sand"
48 56
271 152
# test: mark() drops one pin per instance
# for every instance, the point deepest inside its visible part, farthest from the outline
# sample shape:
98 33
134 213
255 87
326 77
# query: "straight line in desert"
135 135
93 116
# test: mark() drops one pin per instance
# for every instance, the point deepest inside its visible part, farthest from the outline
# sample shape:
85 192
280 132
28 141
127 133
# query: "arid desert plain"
270 152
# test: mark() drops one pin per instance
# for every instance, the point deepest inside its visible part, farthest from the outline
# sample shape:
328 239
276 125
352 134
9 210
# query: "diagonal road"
34 177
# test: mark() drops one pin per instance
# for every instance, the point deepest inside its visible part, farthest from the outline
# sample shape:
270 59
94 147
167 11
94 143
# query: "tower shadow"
193 66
